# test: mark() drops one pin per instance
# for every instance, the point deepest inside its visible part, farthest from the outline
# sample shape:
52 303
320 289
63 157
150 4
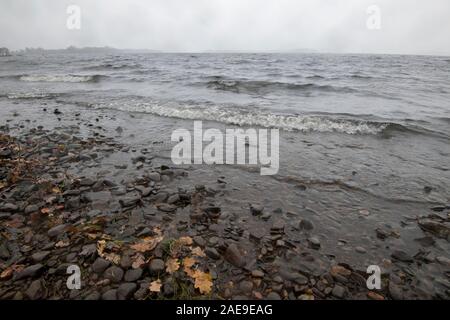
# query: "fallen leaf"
155 286
6 274
101 244
203 281
146 244
185 241
189 262
139 260
46 210
2 185
56 190
62 244
172 265
197 251
112 257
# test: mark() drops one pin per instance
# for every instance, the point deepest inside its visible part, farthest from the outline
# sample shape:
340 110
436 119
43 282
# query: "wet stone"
212 253
100 265
133 275
39 256
273 296
306 225
234 256
110 295
314 242
56 231
114 273
402 256
126 291
339 292
156 266
36 291
30 272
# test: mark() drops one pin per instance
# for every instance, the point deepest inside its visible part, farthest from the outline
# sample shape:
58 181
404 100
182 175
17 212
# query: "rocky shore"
75 197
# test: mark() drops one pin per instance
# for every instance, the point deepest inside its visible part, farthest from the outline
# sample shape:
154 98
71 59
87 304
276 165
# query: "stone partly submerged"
4 52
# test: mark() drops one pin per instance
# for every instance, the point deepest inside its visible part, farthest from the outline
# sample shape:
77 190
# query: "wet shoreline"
84 195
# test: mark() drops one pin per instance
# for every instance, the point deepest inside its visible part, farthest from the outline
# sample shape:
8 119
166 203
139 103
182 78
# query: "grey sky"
407 26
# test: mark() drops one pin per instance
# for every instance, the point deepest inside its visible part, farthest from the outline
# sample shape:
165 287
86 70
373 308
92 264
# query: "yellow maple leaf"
155 286
172 265
197 251
203 281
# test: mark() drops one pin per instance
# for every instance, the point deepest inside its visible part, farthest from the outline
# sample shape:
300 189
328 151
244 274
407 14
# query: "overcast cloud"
407 26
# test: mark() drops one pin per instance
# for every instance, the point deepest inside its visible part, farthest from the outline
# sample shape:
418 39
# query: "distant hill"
73 49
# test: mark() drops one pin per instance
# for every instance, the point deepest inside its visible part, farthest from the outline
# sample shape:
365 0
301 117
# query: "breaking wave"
304 123
60 78
31 95
257 86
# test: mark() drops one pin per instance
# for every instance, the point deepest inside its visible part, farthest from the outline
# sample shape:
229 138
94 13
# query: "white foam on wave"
259 119
29 95
57 78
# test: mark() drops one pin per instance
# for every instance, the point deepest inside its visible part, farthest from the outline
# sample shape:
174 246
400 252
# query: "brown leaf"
56 190
187 264
155 286
112 257
203 281
197 251
139 260
146 244
101 244
185 241
172 265
46 210
62 244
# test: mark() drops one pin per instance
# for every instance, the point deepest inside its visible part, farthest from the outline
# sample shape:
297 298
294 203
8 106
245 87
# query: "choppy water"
385 116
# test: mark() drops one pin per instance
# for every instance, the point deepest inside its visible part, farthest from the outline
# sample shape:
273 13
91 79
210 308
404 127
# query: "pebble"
199 241
36 291
93 296
257 274
360 250
212 253
39 256
402 256
234 256
306 225
133 275
156 266
154 176
100 265
114 273
110 295
339 291
56 231
256 209
246 286
314 242
30 272
126 290
273 296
